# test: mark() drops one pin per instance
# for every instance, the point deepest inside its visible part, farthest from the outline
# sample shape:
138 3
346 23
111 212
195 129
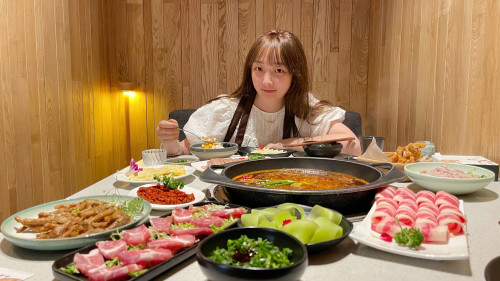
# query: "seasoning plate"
198 197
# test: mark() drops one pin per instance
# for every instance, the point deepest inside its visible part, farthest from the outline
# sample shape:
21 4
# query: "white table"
346 261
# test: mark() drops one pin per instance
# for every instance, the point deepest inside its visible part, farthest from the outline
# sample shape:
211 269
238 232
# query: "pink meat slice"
110 249
443 197
112 273
387 201
382 212
429 207
181 215
453 223
385 192
87 262
388 225
193 231
161 224
145 257
226 213
425 196
172 243
450 209
136 236
435 234
207 221
405 216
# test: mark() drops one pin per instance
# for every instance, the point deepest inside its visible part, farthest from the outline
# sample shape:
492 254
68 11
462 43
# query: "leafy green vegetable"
410 238
70 269
133 274
272 183
113 262
254 156
170 182
182 161
248 252
132 207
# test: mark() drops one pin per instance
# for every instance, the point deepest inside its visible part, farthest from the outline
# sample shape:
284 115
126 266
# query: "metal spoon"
186 131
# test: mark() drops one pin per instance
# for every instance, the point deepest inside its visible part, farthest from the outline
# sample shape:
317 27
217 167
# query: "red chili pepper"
261 147
285 222
386 237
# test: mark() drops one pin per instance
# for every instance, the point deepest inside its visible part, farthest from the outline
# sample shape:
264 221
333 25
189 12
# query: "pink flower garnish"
133 168
386 237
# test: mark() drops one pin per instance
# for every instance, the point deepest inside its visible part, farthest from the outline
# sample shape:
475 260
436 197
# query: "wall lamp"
128 88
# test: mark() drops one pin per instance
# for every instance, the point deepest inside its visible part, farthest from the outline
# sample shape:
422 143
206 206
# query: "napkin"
373 152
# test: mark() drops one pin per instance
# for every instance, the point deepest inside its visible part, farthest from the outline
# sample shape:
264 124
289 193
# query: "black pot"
348 201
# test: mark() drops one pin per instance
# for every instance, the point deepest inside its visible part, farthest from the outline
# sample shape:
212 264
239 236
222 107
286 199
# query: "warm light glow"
130 94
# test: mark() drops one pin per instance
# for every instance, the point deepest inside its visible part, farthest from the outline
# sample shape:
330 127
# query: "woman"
272 107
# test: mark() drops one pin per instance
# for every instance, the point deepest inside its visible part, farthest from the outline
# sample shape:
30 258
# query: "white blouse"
213 120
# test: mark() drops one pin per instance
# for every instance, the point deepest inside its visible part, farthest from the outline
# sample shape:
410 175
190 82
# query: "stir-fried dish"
299 179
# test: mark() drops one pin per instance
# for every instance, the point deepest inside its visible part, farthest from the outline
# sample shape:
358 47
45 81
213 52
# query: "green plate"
29 241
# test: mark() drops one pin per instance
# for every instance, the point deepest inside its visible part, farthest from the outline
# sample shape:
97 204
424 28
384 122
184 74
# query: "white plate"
202 165
198 196
28 240
456 249
120 176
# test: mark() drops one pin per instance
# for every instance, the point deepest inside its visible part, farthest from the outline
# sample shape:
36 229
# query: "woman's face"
271 83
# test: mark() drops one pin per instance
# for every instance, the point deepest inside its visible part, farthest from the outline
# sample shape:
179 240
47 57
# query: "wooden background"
414 69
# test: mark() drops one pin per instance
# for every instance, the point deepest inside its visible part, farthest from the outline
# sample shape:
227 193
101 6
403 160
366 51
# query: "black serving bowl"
327 149
217 271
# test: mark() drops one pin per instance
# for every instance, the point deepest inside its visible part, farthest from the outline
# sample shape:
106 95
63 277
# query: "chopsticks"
321 141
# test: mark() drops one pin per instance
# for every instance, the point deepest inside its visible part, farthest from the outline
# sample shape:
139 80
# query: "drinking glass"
151 157
366 140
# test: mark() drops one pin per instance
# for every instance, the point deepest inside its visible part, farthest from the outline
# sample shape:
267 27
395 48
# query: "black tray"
148 275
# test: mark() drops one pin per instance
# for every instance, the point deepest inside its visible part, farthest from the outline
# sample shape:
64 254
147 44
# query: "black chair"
352 120
182 116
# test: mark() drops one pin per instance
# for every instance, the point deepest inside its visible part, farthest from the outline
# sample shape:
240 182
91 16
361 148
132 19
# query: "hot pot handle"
393 175
209 175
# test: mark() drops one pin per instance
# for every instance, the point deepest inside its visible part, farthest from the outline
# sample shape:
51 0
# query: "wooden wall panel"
430 75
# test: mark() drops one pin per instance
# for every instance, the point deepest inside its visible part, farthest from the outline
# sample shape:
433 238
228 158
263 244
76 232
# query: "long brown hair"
284 48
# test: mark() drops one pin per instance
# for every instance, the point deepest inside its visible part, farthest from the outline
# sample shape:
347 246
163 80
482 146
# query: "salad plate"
198 197
120 176
28 239
455 249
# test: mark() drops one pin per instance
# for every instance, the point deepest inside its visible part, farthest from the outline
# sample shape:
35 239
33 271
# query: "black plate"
246 150
148 275
303 154
313 248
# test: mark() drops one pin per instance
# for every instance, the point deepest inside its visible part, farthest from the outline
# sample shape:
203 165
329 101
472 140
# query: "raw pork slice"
193 231
435 234
382 212
161 224
388 225
110 249
385 192
136 236
181 215
453 223
87 262
426 196
172 243
112 273
146 257
207 221
226 213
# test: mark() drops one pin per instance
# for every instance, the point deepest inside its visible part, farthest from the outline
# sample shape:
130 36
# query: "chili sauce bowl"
223 272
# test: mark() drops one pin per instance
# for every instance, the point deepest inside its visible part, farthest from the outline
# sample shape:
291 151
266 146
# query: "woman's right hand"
168 131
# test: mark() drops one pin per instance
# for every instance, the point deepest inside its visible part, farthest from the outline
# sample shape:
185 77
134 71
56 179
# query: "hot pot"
348 201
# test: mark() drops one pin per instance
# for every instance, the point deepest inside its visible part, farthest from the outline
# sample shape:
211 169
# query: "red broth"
299 179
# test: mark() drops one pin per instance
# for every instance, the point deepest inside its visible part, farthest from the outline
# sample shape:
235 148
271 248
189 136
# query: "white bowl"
229 149
185 160
456 186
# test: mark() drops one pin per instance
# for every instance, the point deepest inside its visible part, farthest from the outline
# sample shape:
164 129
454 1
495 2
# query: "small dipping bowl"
327 149
223 272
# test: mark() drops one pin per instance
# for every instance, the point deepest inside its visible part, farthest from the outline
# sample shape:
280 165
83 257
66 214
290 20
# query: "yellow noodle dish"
147 174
